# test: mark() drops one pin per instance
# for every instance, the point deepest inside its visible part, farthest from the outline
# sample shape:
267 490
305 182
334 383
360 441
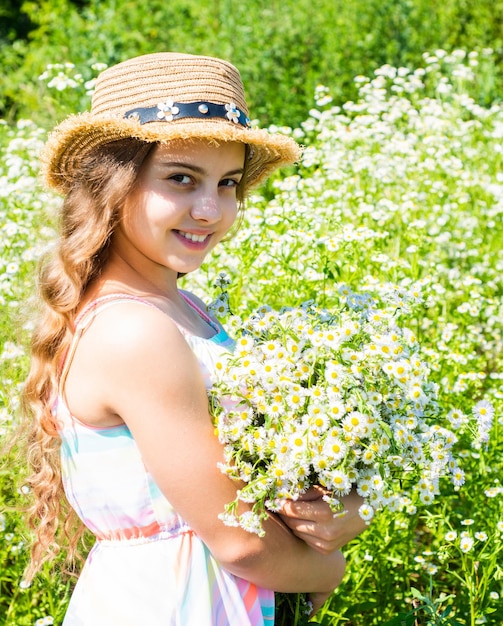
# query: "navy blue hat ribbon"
168 111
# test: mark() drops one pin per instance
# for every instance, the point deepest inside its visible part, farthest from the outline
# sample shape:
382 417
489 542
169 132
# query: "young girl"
153 178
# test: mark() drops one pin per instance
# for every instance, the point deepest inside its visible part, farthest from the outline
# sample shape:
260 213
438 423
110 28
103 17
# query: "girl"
153 178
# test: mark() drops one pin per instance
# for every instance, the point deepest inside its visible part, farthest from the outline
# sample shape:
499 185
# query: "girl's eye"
182 179
229 182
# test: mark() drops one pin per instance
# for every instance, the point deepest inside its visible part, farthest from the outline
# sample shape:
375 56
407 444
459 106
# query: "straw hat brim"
80 134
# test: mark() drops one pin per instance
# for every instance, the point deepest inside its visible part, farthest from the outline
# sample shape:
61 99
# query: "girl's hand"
311 519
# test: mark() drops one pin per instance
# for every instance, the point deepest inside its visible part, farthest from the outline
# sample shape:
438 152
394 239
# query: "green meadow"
399 192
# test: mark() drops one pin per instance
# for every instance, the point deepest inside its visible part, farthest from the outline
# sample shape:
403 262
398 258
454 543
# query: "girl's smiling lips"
193 237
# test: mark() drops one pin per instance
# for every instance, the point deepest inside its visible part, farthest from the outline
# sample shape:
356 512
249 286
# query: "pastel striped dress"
147 567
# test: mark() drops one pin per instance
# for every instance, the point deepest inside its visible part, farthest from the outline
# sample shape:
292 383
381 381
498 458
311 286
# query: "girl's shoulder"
125 321
90 310
117 349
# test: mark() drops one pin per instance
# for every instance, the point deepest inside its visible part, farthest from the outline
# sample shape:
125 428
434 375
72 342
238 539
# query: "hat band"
169 111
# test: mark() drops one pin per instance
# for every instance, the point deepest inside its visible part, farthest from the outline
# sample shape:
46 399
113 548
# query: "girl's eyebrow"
196 168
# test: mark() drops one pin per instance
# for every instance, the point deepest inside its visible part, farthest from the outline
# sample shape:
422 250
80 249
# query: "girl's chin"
186 268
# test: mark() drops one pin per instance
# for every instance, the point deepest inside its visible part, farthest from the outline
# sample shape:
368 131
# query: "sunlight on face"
184 202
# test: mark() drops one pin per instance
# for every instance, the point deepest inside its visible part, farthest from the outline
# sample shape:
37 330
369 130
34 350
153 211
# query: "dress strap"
200 312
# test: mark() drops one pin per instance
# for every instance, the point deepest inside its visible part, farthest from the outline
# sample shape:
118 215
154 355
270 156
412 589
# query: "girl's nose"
206 207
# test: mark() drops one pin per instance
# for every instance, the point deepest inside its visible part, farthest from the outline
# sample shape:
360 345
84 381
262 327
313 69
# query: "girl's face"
182 205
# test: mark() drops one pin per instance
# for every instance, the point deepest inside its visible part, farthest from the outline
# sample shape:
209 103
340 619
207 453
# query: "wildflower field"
399 195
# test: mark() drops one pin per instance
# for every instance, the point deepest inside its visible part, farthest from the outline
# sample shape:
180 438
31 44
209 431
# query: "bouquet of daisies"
338 398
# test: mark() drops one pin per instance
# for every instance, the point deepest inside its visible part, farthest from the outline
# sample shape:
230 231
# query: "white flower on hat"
233 112
167 110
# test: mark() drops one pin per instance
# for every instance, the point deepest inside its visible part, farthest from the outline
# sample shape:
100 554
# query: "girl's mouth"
192 237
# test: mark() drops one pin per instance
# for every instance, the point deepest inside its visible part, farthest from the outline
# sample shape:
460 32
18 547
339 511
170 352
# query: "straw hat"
158 98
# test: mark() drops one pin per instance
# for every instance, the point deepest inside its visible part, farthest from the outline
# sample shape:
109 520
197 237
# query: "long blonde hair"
89 215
